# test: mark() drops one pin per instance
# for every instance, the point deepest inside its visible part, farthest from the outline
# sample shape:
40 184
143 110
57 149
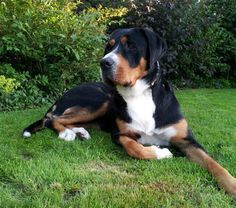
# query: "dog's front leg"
197 154
137 150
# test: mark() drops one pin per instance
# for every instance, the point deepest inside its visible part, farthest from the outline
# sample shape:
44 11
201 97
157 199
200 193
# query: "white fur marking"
165 133
113 56
67 135
136 90
54 108
141 109
140 106
26 134
162 153
160 136
82 132
153 140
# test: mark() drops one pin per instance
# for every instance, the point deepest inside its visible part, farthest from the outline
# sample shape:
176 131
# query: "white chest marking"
141 110
140 107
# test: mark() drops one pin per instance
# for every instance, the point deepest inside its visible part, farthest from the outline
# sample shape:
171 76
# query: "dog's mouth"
108 81
113 83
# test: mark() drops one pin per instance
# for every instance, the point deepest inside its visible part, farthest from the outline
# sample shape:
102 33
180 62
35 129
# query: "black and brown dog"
133 103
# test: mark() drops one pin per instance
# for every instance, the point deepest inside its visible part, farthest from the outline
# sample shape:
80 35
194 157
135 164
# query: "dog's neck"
138 89
154 75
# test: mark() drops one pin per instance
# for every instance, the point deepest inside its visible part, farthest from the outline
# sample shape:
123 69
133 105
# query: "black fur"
167 107
87 95
93 95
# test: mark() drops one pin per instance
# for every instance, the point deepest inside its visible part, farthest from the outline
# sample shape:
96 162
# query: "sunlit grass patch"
44 171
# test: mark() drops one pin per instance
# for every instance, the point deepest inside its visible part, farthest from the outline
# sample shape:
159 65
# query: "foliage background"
200 36
46 47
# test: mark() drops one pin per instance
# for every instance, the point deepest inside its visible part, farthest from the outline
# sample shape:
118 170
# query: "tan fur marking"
111 42
125 130
83 125
127 75
181 130
136 150
197 155
58 126
121 125
72 110
82 116
123 39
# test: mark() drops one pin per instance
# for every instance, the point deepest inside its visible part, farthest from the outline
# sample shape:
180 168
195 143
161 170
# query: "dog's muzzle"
108 66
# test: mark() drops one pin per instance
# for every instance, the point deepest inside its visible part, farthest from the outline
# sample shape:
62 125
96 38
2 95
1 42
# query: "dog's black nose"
107 63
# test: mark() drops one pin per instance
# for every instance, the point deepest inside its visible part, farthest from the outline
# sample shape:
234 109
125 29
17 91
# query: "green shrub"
48 38
50 46
25 91
7 85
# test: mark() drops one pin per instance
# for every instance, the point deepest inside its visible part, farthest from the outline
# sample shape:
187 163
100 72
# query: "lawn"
44 171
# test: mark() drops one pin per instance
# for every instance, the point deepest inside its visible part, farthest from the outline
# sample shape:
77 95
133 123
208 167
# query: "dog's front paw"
81 132
67 135
162 153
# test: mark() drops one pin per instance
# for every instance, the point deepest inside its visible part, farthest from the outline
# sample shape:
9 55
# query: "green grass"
44 171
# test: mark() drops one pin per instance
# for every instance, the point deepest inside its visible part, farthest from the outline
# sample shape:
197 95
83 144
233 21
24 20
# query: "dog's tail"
34 127
40 124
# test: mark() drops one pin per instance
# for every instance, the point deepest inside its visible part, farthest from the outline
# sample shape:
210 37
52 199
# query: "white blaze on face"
111 55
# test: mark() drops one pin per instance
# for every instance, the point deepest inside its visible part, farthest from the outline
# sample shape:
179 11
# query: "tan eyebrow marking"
123 39
112 42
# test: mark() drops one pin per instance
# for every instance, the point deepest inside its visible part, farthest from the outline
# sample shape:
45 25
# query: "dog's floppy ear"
157 47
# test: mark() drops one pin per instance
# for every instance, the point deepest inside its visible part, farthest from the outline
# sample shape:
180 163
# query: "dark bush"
225 13
197 44
105 3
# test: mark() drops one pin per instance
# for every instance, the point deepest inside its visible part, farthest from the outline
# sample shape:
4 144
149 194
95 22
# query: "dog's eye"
131 46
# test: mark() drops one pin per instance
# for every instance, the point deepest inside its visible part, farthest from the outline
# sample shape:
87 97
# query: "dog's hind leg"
68 125
63 132
197 154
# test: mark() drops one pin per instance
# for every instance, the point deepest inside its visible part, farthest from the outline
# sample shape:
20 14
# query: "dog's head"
130 55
